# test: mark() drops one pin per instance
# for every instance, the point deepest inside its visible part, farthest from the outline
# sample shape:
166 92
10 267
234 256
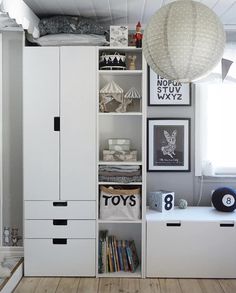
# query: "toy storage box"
119 204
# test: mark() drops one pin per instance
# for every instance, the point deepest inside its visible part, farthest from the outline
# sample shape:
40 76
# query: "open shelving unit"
129 125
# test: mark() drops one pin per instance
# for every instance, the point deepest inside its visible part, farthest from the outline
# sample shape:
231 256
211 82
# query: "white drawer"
75 258
60 228
60 210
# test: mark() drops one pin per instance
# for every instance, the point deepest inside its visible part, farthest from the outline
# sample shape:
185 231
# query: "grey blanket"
71 25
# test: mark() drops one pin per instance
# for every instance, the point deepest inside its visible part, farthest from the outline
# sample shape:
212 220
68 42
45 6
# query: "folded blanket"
71 25
129 174
120 179
120 168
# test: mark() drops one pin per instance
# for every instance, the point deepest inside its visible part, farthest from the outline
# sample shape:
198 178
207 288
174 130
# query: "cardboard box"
126 156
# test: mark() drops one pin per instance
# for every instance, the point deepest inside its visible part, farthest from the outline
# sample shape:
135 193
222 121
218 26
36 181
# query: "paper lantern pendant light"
183 41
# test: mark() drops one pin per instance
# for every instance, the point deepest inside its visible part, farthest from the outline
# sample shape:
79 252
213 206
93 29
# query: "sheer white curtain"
215 129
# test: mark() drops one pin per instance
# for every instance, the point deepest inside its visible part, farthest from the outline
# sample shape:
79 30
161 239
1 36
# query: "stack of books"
116 255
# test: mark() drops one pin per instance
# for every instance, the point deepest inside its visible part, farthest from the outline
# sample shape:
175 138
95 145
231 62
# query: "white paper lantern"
183 41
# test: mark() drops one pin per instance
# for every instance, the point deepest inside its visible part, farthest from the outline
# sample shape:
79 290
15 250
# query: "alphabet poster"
164 92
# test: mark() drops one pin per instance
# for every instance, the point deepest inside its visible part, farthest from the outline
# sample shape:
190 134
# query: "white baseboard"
12 251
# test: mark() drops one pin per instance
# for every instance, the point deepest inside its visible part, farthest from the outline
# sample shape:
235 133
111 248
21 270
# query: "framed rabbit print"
168 144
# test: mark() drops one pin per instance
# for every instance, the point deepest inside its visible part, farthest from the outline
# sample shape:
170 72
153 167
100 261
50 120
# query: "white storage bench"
198 242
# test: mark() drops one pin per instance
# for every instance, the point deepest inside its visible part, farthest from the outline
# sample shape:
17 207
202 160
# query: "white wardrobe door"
40 106
78 123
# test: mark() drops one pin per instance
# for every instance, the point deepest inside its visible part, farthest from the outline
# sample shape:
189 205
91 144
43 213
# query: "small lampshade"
132 94
111 88
183 41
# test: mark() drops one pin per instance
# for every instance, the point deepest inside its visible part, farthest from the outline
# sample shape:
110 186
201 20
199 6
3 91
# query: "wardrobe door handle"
57 123
62 241
60 222
60 203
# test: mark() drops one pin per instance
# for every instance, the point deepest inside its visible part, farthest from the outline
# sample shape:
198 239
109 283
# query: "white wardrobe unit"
59 160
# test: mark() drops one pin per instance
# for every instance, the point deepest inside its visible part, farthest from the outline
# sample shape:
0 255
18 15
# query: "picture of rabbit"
169 149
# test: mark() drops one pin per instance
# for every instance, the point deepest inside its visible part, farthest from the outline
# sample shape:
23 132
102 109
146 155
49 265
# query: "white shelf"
120 183
119 222
120 163
120 114
121 274
121 72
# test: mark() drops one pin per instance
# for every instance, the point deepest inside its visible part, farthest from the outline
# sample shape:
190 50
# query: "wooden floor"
115 285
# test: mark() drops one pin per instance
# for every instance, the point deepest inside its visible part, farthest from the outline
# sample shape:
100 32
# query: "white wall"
12 129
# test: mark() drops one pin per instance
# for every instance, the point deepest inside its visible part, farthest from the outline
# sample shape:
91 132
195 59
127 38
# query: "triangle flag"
225 66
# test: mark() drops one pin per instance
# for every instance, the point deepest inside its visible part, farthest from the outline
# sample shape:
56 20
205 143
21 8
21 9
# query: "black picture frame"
163 92
168 144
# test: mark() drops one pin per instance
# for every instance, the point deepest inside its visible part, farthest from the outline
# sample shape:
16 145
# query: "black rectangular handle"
173 224
60 203
227 225
56 123
60 222
62 241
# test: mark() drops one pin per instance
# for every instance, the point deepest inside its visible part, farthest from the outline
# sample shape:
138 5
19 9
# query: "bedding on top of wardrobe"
71 39
71 30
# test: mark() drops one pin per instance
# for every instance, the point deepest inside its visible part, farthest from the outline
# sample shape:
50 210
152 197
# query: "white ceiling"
126 12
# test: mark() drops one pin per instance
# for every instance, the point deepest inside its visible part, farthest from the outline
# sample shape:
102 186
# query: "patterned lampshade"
183 41
132 94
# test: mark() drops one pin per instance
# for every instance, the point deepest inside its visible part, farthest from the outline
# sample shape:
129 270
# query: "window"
216 129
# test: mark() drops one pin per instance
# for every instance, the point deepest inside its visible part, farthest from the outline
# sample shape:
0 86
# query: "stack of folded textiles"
120 173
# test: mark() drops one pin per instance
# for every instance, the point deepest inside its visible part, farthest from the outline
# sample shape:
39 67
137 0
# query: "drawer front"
191 250
59 210
60 228
75 258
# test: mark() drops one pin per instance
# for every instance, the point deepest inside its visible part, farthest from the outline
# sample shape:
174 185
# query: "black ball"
224 199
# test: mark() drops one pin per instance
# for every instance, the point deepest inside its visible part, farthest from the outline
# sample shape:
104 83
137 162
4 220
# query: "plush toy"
132 59
224 199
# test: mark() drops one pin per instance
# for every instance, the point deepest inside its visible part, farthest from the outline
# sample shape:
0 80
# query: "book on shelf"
112 254
124 257
116 253
102 265
134 255
129 257
119 248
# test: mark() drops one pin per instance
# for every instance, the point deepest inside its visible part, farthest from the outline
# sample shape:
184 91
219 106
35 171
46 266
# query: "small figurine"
132 65
138 36
14 236
6 236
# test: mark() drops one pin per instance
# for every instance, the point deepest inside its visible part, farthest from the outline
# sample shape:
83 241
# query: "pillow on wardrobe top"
71 39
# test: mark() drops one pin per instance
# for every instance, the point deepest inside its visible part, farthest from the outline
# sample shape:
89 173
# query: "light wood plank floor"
115 285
